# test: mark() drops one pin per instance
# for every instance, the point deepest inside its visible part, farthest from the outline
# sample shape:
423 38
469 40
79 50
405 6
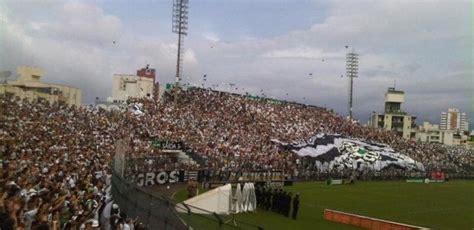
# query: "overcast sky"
292 50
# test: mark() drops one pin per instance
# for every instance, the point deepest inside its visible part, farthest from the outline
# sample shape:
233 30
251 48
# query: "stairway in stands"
195 157
183 157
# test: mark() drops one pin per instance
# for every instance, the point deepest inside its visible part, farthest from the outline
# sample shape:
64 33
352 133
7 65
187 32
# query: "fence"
150 210
158 212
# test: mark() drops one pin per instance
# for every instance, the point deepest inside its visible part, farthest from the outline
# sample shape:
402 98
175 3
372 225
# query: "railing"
158 212
153 211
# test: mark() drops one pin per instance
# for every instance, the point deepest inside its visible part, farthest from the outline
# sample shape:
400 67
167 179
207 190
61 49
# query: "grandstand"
57 159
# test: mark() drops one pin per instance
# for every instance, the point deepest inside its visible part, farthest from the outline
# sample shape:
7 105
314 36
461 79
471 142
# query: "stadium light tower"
180 26
352 69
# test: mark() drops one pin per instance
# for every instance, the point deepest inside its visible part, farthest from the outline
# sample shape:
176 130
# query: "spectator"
56 158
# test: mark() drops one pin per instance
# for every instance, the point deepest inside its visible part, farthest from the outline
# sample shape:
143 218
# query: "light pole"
352 68
180 26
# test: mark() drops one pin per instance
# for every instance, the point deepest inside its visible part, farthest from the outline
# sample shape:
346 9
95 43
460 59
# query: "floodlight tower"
352 69
180 26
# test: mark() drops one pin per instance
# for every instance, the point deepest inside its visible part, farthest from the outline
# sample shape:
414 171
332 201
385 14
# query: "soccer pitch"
436 205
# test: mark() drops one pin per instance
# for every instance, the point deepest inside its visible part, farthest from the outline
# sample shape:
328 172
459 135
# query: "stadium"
193 139
238 149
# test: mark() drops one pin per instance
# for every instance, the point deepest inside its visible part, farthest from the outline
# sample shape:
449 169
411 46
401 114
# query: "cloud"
410 43
68 45
211 36
78 22
302 52
422 46
79 44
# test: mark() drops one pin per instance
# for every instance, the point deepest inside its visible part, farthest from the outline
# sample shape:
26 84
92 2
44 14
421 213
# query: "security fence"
158 212
153 211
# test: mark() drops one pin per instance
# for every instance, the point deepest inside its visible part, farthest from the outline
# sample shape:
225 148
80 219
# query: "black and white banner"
152 178
335 152
136 109
158 178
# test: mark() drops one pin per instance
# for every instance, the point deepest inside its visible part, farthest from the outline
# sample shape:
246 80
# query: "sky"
291 50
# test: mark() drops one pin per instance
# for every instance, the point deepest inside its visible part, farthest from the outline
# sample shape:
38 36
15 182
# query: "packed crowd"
55 166
56 159
234 132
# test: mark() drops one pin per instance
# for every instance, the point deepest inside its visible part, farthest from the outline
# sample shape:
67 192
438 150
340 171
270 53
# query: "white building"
461 139
454 120
431 133
127 85
471 140
29 85
394 118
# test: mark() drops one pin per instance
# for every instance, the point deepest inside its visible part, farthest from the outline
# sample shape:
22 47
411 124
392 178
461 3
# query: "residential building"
29 85
431 133
454 120
471 140
393 117
129 85
461 139
147 72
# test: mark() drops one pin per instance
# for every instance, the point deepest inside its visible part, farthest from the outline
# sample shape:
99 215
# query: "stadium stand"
56 159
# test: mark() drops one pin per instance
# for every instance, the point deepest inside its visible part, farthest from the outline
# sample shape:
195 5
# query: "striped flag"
333 151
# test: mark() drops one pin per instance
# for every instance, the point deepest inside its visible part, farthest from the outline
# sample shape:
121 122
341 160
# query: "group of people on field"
277 200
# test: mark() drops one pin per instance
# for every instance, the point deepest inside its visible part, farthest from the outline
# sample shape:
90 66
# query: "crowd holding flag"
334 151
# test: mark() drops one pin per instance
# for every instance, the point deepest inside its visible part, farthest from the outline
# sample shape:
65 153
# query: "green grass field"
436 205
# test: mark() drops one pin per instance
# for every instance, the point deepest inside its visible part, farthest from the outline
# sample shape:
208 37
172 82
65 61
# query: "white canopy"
217 200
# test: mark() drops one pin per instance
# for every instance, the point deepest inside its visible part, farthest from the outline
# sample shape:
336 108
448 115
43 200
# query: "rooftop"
393 90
